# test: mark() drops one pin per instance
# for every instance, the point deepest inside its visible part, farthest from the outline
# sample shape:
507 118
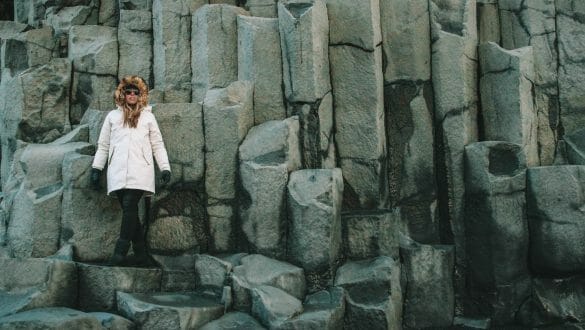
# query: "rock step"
169 310
63 318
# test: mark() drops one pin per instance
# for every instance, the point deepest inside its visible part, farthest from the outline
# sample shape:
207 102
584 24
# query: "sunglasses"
132 91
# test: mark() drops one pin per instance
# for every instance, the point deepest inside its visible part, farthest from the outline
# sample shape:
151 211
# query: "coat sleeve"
158 147
103 145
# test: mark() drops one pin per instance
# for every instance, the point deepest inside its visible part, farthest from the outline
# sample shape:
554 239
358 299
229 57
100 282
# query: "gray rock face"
533 24
172 310
304 37
273 306
368 234
555 301
429 299
28 49
512 71
35 283
488 22
64 18
267 155
260 61
171 24
87 211
262 8
214 56
455 93
135 29
212 272
497 241
228 116
234 320
256 270
113 321
98 284
556 215
374 295
314 236
321 310
570 38
575 147
35 223
51 318
181 125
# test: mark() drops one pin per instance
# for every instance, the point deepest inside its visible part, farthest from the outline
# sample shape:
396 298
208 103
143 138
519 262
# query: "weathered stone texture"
98 284
571 71
429 298
172 310
497 229
533 24
304 38
314 235
234 320
90 220
321 310
171 24
262 8
368 234
51 318
509 116
456 102
214 55
273 306
135 29
260 61
575 147
374 294
228 115
556 218
267 156
35 283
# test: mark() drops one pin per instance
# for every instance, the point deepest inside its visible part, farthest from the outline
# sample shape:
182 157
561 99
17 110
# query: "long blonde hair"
131 112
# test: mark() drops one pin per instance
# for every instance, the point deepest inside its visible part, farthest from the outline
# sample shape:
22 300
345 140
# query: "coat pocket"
147 154
111 155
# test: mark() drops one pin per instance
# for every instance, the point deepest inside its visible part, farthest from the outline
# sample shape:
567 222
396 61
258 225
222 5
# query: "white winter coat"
129 151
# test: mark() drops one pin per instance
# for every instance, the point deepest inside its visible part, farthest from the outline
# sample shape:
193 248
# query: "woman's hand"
165 177
95 178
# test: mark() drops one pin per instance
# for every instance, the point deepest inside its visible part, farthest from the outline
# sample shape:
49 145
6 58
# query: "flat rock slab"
256 270
35 283
51 318
113 321
234 320
169 310
98 284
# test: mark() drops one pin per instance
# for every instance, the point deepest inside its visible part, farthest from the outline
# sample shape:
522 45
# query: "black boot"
141 256
120 251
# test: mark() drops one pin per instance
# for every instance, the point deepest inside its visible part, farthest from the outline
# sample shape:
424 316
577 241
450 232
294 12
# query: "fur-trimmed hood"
126 82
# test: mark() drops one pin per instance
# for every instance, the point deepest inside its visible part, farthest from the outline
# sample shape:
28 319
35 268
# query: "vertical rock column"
497 229
171 24
260 61
214 57
509 116
135 28
227 116
454 71
570 30
532 23
355 52
314 241
267 156
304 38
409 115
488 24
94 52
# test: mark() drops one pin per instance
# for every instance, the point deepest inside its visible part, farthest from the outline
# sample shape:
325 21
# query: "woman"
129 139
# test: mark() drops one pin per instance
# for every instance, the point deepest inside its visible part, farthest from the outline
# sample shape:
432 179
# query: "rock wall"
335 163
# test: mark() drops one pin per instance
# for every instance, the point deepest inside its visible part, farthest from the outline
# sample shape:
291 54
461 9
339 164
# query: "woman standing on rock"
129 139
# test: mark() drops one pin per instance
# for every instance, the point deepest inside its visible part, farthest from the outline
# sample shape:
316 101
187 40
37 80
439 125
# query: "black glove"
95 178
165 177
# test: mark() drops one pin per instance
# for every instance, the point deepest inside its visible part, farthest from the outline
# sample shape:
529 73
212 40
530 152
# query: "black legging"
130 230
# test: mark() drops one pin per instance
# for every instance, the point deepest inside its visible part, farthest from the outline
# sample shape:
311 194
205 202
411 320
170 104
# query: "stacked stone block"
304 42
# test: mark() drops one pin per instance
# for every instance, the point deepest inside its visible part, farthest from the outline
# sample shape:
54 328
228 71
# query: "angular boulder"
256 270
169 310
98 284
